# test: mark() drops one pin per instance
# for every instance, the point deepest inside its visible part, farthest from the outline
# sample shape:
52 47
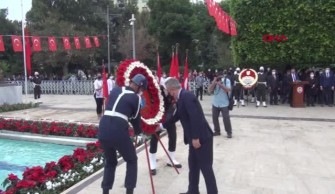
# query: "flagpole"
24 52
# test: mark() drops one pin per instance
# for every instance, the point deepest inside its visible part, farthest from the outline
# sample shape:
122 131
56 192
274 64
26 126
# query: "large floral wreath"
153 111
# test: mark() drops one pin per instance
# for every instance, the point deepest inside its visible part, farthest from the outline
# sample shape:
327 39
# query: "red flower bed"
63 172
50 128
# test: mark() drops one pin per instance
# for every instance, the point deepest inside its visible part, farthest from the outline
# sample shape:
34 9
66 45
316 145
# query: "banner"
36 43
76 42
2 44
17 43
88 42
66 43
52 44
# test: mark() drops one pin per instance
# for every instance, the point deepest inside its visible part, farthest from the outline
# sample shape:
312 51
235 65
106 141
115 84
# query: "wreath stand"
148 161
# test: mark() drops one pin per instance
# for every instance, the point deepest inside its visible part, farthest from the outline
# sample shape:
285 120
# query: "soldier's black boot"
130 191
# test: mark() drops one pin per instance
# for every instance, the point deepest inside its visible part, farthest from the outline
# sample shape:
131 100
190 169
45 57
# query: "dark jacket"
192 118
327 81
273 83
128 105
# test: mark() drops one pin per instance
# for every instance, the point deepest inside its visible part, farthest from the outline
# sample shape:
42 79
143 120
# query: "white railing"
79 87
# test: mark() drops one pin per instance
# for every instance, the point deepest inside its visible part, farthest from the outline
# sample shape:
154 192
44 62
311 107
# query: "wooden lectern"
298 94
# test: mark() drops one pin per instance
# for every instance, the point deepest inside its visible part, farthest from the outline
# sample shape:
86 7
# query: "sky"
14 8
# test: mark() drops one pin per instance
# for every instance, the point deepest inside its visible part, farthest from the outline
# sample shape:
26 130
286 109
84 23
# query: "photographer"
221 89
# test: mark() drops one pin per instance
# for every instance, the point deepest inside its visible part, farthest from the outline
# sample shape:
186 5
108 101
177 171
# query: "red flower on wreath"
153 110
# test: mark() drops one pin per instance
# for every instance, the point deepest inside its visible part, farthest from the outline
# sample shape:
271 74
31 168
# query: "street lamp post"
132 23
24 52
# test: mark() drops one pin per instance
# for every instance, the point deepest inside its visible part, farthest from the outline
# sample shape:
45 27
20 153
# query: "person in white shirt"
98 95
110 83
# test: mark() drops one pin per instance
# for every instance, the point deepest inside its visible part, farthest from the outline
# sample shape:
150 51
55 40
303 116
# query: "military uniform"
238 91
261 89
37 86
123 106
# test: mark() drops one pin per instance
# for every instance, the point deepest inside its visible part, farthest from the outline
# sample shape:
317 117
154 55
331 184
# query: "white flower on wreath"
160 113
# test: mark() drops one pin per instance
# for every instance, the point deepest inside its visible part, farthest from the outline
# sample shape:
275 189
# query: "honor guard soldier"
123 106
261 87
37 86
238 89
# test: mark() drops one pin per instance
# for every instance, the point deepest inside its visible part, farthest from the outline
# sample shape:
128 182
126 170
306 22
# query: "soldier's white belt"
262 83
116 114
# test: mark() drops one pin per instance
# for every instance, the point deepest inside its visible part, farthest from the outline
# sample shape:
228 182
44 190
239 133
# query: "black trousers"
122 143
37 92
274 96
99 102
261 92
226 119
201 160
172 135
327 95
200 92
238 92
310 96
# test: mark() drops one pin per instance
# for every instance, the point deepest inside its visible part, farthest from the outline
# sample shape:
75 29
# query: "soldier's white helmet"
36 73
261 68
238 69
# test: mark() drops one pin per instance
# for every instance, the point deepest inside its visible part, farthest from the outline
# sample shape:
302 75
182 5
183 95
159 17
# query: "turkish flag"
36 43
233 30
2 44
104 83
52 43
176 65
88 42
159 69
172 66
28 51
76 42
66 43
17 43
185 84
96 41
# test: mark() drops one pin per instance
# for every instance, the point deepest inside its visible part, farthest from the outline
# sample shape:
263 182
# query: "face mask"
273 73
327 71
311 75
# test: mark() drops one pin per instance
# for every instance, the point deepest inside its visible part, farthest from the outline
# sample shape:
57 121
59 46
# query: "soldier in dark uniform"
238 89
169 106
311 89
261 87
273 84
37 85
123 106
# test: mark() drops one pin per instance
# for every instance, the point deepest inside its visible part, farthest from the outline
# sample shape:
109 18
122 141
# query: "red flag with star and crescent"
66 43
52 43
36 41
76 42
88 42
2 44
96 41
17 43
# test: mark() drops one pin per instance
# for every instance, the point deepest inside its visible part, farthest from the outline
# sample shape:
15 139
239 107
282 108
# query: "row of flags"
174 68
36 44
223 21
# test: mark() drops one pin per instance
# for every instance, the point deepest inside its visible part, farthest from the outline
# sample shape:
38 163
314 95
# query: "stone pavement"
274 150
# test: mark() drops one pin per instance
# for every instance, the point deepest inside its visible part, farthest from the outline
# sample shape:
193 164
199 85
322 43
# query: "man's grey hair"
172 83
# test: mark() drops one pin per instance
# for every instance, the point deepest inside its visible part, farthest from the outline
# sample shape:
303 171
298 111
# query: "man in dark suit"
273 84
293 77
197 133
327 86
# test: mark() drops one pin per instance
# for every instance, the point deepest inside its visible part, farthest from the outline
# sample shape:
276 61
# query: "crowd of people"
274 86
